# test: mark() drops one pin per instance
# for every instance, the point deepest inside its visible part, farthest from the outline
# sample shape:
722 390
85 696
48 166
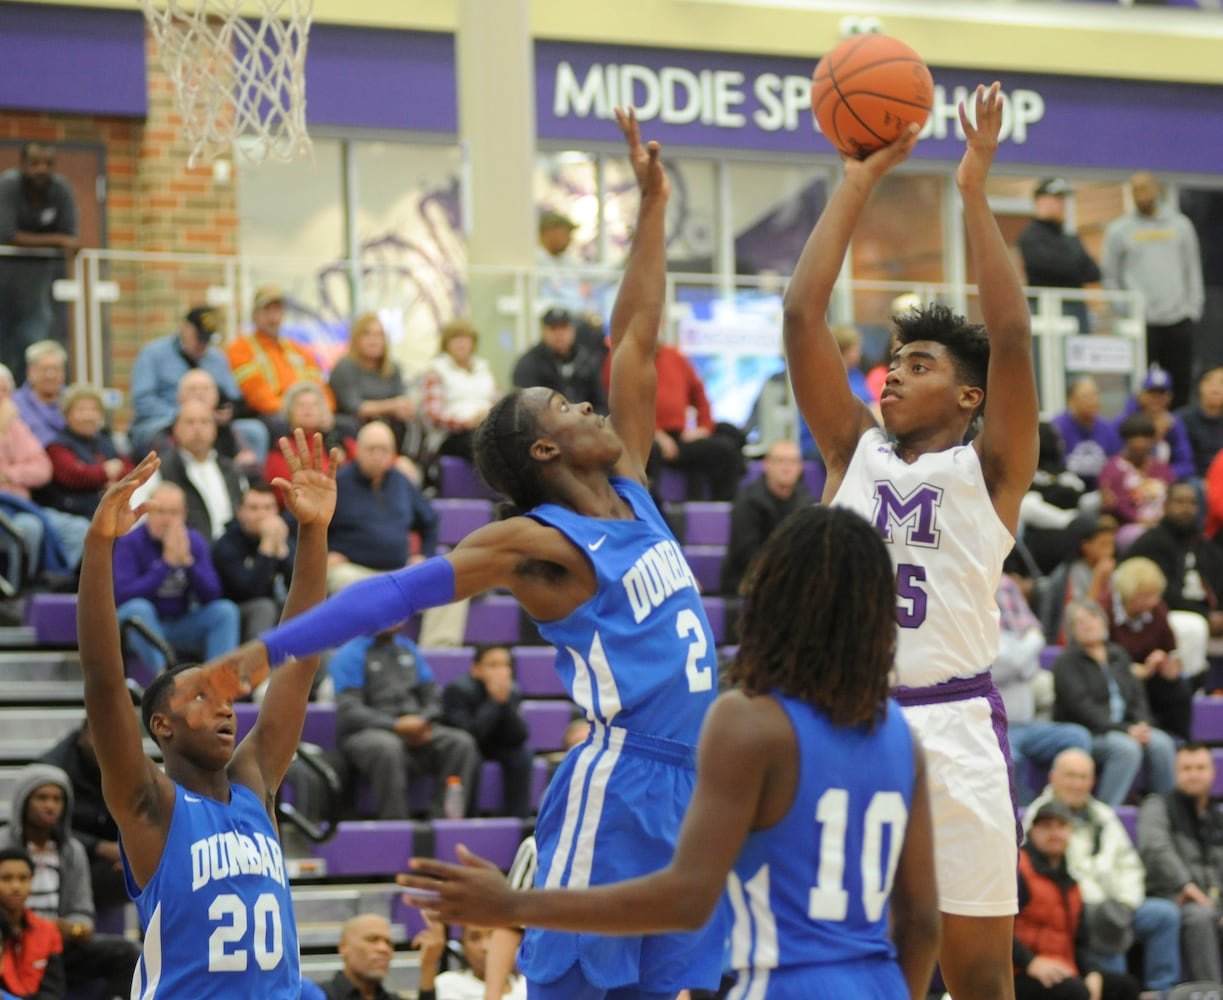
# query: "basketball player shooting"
201 855
948 513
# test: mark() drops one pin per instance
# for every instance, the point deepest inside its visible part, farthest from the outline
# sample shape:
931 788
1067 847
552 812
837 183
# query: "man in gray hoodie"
61 890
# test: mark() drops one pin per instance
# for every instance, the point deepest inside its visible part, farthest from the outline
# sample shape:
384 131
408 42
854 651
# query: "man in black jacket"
1052 257
559 362
486 703
212 485
254 559
1180 837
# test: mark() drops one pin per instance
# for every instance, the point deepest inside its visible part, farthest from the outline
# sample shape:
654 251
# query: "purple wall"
69 59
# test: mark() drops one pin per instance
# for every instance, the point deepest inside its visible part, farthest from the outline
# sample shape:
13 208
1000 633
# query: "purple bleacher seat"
460 517
1129 819
245 714
53 618
1048 655
1216 790
548 721
672 485
705 561
1208 719
755 469
494 838
708 523
814 476
448 663
368 847
535 671
492 789
319 727
493 619
459 479
715 611
541 774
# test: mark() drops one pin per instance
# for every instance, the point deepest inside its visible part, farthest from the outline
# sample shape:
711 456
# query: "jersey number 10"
828 899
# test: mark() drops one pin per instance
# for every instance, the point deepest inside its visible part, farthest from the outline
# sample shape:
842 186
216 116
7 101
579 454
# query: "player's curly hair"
156 696
818 620
967 343
501 449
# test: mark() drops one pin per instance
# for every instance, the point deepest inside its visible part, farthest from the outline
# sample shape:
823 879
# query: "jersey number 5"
228 949
828 899
910 597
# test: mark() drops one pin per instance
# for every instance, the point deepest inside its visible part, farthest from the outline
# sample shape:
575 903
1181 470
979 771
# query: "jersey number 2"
229 910
688 626
828 899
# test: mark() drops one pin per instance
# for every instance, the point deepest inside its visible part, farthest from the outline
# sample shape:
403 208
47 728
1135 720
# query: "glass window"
773 210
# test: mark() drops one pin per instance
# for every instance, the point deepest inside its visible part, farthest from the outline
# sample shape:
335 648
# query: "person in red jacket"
1049 932
31 947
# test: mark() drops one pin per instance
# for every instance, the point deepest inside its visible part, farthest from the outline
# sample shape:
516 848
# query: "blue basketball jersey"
814 889
639 654
217 914
639 659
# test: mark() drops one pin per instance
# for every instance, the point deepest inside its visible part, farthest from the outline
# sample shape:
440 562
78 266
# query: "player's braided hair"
966 342
501 448
818 620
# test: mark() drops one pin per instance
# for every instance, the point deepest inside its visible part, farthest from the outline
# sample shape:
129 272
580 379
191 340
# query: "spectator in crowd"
1134 483
461 984
685 434
561 282
558 362
306 406
459 389
84 458
31 947
1104 862
61 890
760 506
488 704
266 365
197 386
376 508
366 949
52 539
388 723
849 342
37 212
165 577
254 560
1193 570
367 381
90 820
1082 577
157 383
1094 685
1050 959
1052 257
1154 250
211 483
1138 623
1203 421
1180 835
1034 742
1172 443
1088 439
1050 508
39 399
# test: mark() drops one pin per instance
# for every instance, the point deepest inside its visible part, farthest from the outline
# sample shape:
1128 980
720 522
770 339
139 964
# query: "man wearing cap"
560 280
1154 250
1172 444
558 362
163 362
1102 859
265 364
1048 949
1052 257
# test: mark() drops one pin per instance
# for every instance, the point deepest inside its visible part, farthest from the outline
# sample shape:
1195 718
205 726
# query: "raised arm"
138 795
637 315
821 387
261 760
1007 443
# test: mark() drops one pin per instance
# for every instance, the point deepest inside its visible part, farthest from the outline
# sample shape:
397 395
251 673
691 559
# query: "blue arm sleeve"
364 608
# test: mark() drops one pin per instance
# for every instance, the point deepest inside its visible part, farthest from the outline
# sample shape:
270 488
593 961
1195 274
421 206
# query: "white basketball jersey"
947 544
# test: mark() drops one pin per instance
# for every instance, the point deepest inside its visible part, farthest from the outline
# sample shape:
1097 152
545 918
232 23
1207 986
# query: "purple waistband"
956 689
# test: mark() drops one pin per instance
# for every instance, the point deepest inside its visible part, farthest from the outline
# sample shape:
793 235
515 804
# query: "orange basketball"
867 90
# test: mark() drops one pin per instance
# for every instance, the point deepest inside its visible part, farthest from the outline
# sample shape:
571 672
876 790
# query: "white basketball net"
236 78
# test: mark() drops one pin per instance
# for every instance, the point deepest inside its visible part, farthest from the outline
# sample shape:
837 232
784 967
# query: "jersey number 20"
228 947
828 899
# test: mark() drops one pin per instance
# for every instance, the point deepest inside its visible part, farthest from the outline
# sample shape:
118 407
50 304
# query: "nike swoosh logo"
595 546
191 798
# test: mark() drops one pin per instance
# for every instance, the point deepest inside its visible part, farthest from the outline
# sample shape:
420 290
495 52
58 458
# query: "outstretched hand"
652 179
982 137
885 158
310 491
115 515
232 676
474 892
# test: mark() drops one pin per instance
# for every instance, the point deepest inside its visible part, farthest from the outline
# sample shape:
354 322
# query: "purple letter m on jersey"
915 512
